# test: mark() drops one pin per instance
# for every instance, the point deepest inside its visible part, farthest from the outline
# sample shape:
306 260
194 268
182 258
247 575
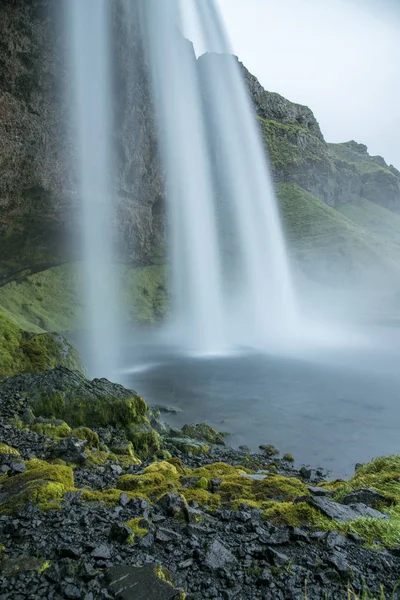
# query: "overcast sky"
339 57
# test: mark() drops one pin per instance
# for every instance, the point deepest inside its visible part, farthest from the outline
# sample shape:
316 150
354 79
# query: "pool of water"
331 407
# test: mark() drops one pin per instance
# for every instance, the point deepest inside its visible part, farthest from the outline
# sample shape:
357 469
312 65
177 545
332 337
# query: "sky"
339 57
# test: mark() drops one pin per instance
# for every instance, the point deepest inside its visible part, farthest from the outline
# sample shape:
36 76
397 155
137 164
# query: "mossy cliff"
53 300
37 187
25 352
69 396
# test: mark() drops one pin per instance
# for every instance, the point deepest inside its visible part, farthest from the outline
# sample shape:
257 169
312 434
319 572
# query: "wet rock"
217 556
204 433
141 583
120 532
70 449
343 513
16 468
102 552
70 552
338 560
335 539
365 496
318 491
171 503
278 559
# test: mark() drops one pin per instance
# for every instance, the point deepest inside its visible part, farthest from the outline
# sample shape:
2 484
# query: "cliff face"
335 173
38 190
37 148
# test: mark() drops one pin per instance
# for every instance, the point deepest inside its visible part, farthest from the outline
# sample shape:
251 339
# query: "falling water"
88 34
196 280
262 302
231 277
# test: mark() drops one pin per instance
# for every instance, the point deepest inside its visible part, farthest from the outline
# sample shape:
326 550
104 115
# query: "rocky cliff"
38 189
37 150
335 173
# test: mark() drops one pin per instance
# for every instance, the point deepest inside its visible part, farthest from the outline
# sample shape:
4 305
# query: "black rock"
365 496
218 556
141 583
318 491
70 449
343 513
69 552
102 552
120 532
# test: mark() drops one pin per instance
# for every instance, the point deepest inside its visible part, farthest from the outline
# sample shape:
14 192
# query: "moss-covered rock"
204 433
42 483
55 430
69 396
84 433
53 299
5 449
188 445
25 352
139 528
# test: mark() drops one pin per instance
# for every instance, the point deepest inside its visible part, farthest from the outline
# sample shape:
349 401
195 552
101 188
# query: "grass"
53 300
292 146
381 222
361 160
327 245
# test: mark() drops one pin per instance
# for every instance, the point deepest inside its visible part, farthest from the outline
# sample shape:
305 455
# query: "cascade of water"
88 34
262 302
196 278
231 277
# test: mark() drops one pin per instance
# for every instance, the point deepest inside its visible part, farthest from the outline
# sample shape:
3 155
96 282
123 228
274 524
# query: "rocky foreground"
100 499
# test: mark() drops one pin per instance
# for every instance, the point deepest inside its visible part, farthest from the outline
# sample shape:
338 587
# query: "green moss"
385 531
46 565
382 475
326 245
298 515
23 352
219 469
53 299
139 529
5 449
84 433
123 449
292 147
154 482
94 411
110 497
42 483
288 457
56 431
269 450
203 432
145 440
202 497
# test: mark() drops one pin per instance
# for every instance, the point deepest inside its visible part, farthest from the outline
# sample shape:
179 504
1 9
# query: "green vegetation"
379 221
52 430
42 483
24 352
5 449
139 528
326 244
292 146
357 155
52 300
100 411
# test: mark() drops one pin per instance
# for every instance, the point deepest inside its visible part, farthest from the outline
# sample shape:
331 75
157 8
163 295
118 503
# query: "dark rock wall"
38 188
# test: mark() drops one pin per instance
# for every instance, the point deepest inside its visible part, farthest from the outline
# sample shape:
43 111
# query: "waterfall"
230 274
197 312
88 34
